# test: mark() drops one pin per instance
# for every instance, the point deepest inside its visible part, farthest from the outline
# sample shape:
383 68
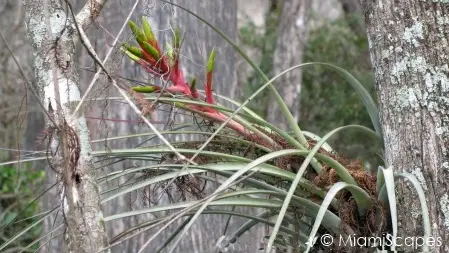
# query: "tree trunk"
410 55
52 36
292 37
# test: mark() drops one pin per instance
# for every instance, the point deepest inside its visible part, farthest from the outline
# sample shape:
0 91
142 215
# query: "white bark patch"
433 97
86 149
75 195
414 33
443 20
65 204
386 53
444 207
68 90
57 23
416 212
407 64
406 98
38 31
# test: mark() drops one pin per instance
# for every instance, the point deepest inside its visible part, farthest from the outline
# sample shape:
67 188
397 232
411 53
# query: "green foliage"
12 202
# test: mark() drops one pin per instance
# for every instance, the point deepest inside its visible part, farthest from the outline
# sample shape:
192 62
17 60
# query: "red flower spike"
158 64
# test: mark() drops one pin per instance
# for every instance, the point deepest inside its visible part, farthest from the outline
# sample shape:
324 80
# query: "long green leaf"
223 200
263 216
245 169
424 208
389 184
300 173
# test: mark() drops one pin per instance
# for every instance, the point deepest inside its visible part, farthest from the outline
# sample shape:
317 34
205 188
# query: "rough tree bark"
292 37
52 36
410 55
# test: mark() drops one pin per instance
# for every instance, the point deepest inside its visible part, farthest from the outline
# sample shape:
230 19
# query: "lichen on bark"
52 36
410 53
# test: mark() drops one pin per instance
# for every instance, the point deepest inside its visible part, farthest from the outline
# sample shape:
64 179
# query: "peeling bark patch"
444 206
414 33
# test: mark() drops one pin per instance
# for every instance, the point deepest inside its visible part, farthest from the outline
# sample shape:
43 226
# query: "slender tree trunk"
53 35
410 54
292 37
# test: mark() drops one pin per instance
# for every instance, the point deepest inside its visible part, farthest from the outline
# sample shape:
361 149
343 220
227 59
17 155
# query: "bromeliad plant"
276 157
312 189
